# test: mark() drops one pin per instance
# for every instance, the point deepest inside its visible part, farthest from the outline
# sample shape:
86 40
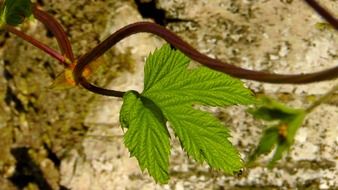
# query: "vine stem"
37 44
324 13
171 38
56 28
188 50
322 99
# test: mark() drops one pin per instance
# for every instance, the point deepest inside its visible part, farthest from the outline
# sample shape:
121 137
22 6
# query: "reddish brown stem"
177 42
171 38
55 27
36 43
324 13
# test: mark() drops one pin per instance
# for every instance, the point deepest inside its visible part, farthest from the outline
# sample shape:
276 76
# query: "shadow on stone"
27 171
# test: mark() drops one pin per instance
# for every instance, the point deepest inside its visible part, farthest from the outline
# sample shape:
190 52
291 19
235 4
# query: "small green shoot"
171 90
322 26
281 134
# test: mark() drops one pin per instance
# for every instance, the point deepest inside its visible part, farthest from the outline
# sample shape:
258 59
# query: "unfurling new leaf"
171 90
281 135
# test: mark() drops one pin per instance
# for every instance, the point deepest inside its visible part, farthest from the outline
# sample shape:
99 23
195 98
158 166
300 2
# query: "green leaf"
269 110
204 138
177 84
267 142
147 137
14 12
129 101
280 149
174 90
294 124
282 134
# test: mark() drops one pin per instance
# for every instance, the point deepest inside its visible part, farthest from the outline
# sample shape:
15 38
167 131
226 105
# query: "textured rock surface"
268 35
276 36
